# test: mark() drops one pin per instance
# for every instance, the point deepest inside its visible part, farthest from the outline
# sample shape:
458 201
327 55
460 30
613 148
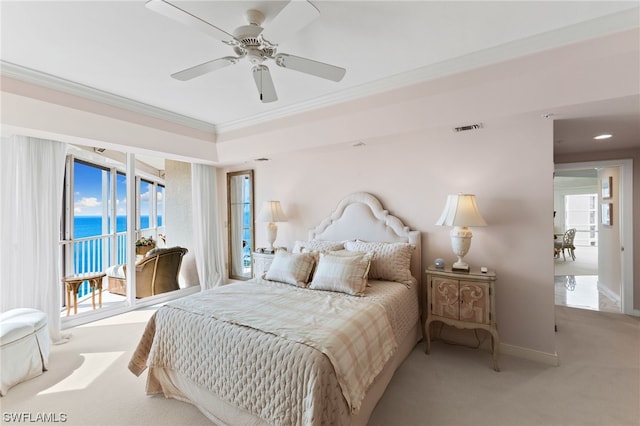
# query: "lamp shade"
461 210
271 211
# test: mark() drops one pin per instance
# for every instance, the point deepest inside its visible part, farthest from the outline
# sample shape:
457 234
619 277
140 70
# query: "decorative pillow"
152 252
317 245
390 261
291 268
346 274
116 271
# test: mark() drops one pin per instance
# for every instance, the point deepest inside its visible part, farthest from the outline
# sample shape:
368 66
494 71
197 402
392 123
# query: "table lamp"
461 211
271 212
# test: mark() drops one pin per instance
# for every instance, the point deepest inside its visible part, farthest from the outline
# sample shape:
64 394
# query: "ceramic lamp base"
460 266
460 243
272 232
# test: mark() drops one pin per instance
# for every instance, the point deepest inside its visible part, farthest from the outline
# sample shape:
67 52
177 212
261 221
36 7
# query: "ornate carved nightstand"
463 300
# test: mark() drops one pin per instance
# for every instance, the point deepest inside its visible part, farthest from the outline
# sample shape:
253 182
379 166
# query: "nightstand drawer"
460 300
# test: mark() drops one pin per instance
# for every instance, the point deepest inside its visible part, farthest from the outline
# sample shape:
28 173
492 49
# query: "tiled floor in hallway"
581 291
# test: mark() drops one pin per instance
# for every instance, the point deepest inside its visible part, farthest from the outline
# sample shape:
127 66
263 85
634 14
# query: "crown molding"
617 22
610 24
49 81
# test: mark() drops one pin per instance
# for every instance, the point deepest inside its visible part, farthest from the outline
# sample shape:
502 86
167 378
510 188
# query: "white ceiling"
124 49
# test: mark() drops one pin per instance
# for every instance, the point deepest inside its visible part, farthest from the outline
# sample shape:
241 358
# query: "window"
95 216
150 209
581 213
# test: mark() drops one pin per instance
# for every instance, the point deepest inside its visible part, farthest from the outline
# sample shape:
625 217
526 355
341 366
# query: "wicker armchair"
156 273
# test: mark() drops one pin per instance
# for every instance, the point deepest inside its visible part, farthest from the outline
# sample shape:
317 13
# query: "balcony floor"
84 303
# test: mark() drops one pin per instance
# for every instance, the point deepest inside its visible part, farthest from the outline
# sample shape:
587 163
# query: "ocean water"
91 226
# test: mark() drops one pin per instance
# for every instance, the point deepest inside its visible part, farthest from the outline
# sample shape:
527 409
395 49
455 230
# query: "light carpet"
597 382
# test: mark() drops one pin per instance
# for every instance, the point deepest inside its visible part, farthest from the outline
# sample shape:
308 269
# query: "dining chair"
566 244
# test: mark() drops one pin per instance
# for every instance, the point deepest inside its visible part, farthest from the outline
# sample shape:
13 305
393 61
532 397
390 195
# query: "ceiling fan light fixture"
251 42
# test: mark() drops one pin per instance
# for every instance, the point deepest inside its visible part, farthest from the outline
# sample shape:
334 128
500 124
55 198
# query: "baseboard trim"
609 293
530 354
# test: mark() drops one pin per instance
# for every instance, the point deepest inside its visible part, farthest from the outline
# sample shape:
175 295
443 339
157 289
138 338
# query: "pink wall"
411 160
412 173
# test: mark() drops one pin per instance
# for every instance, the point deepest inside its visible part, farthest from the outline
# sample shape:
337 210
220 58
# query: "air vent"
468 127
261 159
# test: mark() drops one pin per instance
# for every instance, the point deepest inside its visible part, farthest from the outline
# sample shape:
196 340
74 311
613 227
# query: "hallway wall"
609 258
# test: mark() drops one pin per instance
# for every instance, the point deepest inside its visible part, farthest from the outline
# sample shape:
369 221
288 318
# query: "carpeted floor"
597 382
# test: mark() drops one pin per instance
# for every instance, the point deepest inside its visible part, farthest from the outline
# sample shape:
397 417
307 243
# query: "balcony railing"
96 254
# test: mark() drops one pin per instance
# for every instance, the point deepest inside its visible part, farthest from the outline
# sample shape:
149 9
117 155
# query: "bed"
289 348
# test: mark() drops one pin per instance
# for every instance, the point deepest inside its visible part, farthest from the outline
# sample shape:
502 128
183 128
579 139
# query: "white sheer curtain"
207 238
31 188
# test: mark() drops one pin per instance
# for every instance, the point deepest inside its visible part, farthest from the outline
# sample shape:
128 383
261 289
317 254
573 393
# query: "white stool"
24 346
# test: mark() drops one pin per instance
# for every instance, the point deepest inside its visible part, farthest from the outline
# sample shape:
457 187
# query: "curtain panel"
207 238
31 190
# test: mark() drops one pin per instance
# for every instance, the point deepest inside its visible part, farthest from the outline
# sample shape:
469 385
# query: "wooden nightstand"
261 263
463 300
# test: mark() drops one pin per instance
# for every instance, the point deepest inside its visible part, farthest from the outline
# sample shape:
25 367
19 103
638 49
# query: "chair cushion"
161 250
115 271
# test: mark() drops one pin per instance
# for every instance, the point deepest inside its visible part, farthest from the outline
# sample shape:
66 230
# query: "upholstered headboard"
360 216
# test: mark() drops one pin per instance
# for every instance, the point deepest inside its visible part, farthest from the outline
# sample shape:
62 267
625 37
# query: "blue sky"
88 198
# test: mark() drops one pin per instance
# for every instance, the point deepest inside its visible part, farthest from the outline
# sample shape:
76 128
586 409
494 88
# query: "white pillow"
390 261
317 245
291 268
345 274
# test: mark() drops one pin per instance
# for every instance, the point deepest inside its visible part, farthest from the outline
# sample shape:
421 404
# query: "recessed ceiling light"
603 136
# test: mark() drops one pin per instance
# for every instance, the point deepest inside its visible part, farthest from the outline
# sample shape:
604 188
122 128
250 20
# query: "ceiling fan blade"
296 15
308 66
198 70
264 83
173 12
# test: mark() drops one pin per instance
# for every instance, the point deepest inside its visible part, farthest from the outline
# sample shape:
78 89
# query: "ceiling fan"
254 43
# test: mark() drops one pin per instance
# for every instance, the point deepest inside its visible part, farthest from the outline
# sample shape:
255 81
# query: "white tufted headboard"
360 216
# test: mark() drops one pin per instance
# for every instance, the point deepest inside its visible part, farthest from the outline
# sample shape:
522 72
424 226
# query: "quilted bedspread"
309 361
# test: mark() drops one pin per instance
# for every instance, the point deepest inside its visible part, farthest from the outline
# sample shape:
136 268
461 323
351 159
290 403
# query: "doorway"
576 227
601 276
